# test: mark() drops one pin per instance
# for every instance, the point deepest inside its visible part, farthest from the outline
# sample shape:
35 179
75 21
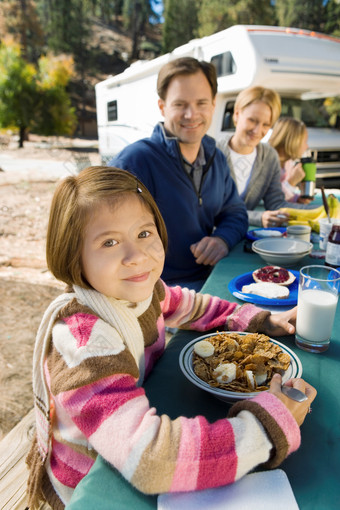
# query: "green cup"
310 171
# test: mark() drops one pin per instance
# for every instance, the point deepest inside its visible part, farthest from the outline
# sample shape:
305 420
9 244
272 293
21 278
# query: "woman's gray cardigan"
264 183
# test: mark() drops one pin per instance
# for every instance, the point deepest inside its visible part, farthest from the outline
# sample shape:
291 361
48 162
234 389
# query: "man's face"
188 108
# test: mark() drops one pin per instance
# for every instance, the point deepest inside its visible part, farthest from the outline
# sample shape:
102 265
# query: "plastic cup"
310 171
301 232
325 228
317 301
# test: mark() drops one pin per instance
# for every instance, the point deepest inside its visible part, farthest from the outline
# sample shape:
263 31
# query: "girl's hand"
295 174
280 324
304 200
298 409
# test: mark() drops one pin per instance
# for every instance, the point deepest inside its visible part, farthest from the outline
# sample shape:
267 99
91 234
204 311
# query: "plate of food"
268 285
237 365
263 233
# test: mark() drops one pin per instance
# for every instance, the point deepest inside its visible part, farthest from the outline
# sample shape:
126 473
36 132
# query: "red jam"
272 274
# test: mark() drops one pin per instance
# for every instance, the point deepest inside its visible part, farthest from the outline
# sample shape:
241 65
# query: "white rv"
303 66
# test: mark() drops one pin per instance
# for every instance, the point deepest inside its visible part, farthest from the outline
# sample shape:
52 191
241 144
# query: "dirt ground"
26 286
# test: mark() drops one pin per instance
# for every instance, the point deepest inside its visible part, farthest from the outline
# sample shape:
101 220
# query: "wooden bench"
13 470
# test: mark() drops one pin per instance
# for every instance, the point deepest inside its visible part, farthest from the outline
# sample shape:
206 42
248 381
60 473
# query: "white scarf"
121 315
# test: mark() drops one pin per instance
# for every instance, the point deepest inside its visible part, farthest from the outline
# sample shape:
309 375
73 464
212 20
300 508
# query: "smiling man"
187 175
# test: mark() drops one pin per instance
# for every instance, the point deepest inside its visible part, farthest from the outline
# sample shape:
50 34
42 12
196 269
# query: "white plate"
185 362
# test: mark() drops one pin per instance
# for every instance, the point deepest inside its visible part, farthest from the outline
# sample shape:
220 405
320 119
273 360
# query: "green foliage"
307 14
107 9
187 19
332 25
180 23
35 97
18 88
68 27
138 12
215 15
332 105
136 17
21 20
55 116
255 12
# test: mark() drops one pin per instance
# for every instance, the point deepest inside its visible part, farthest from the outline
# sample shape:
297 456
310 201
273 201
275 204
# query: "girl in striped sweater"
98 341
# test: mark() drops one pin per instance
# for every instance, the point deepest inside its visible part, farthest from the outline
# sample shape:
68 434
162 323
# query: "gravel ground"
27 182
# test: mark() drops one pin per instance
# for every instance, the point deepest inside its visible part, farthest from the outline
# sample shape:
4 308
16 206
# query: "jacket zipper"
206 168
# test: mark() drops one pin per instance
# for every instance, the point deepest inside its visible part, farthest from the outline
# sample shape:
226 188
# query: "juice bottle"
332 258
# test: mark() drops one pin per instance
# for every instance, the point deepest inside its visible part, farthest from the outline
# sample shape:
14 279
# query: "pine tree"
216 15
136 18
20 19
306 14
180 23
332 18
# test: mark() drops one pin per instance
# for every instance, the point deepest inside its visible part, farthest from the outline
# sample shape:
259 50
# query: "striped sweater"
98 408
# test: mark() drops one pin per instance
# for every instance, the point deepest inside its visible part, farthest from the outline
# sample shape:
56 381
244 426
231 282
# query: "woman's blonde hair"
74 201
268 96
287 137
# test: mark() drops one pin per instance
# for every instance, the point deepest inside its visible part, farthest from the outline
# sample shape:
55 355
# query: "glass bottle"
332 258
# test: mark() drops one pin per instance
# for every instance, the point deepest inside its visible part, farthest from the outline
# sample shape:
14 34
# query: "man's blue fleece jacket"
216 210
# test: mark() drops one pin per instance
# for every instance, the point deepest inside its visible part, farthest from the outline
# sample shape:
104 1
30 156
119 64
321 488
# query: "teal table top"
313 471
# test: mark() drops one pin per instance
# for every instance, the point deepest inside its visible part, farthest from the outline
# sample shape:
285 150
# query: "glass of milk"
317 300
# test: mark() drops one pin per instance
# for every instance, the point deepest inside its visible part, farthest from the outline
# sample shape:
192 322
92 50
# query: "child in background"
99 340
290 139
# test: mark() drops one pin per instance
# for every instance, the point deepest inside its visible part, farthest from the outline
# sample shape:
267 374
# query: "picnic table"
313 471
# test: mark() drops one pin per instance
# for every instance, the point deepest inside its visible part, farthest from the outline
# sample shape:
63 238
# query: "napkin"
264 490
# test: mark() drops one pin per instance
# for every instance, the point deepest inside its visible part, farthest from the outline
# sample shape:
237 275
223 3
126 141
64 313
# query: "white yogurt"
315 314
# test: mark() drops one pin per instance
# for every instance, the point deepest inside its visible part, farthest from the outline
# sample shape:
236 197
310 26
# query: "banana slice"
225 373
204 349
261 378
251 379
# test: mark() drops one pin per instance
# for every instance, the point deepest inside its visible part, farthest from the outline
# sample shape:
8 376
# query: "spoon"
325 203
293 393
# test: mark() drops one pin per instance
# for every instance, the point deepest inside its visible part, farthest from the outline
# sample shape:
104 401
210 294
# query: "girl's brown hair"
72 204
287 136
255 94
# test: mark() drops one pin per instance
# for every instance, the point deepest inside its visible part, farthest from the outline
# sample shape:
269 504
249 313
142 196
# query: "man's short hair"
185 66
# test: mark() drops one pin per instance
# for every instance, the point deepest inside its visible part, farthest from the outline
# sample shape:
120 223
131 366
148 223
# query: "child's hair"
72 204
287 136
268 96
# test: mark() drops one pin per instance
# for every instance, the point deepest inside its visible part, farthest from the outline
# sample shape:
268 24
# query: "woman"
290 139
255 166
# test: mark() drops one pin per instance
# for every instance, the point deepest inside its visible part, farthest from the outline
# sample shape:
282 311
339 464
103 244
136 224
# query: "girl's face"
123 255
252 124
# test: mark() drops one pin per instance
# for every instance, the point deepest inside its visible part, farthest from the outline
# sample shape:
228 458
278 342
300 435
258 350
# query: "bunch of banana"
334 206
312 216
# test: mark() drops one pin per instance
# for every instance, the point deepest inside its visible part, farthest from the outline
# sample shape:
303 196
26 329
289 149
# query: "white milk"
315 314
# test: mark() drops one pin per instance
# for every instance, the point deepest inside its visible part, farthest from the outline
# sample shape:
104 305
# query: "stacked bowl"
282 251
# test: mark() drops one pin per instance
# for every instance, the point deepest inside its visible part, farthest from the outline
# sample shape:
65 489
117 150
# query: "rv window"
312 112
228 122
224 63
112 110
